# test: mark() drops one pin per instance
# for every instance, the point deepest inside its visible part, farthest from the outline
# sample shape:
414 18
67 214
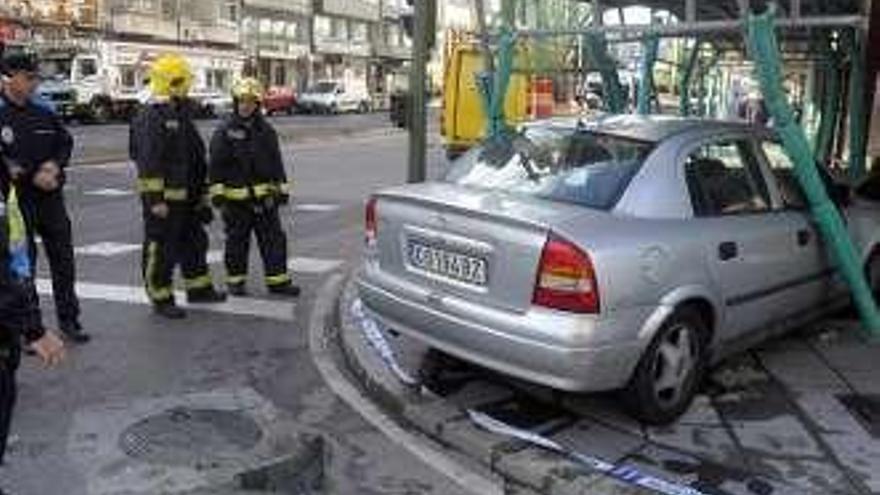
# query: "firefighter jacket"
169 153
246 161
19 306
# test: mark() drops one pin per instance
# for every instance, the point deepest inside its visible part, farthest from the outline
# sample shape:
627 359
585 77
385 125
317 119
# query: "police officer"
172 179
248 184
36 148
19 309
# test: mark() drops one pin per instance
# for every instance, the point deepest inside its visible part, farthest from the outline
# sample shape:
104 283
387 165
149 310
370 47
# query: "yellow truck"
463 119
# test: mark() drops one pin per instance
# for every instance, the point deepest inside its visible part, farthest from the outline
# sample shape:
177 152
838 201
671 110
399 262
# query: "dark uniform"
170 157
249 184
31 135
19 309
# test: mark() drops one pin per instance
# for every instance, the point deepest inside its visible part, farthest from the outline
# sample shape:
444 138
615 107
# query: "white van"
330 96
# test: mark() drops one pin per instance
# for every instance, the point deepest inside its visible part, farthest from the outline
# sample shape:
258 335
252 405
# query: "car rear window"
581 167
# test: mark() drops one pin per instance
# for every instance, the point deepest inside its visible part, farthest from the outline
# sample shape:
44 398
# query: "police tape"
624 473
372 332
376 338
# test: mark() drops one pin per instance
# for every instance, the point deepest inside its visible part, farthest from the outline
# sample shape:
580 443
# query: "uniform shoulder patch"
236 134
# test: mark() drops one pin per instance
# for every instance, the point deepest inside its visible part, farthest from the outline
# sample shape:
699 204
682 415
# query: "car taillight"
566 278
370 222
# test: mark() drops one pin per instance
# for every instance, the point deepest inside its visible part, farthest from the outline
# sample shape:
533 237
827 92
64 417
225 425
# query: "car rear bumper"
565 362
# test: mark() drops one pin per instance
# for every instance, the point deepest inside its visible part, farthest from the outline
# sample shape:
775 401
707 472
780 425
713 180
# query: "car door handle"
728 251
803 237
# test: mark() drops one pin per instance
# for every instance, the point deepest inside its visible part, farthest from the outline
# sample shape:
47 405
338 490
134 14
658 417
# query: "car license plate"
449 264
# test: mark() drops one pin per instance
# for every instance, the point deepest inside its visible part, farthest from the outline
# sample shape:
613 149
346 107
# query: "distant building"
276 39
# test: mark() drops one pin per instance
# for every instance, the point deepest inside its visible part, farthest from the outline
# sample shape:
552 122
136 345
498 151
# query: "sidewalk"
798 415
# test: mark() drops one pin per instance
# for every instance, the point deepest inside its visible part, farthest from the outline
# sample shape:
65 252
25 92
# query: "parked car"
213 104
335 97
279 99
627 253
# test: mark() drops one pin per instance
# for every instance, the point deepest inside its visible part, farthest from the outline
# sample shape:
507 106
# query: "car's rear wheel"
670 371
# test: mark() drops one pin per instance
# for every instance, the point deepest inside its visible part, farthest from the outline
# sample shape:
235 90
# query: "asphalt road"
107 143
255 347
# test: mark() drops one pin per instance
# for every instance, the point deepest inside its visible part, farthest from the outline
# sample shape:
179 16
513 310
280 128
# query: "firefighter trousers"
10 355
178 239
241 218
46 216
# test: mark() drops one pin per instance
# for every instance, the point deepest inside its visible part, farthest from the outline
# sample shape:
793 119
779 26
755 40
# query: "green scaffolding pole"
684 84
764 51
858 121
830 105
597 53
494 85
646 83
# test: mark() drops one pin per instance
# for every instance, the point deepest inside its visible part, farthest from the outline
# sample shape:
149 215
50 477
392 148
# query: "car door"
814 279
746 243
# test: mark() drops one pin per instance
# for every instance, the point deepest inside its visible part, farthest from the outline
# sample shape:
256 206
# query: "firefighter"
36 148
249 185
172 179
19 309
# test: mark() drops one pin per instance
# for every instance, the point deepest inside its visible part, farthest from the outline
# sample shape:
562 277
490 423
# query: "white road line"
106 249
260 308
316 207
299 264
109 192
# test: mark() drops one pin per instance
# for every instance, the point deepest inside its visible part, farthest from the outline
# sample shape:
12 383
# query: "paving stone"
708 477
854 448
429 417
537 468
605 409
713 443
777 436
597 440
795 364
814 476
701 413
477 443
596 485
850 353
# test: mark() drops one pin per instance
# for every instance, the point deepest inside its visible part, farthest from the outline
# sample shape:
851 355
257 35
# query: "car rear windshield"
581 167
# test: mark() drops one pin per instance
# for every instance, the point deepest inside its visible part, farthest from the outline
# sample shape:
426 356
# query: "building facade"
276 39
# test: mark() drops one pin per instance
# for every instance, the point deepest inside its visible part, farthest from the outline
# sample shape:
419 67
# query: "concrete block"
477 443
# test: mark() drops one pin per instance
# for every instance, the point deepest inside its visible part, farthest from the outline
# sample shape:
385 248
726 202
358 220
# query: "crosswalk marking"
106 249
316 207
109 192
259 308
297 264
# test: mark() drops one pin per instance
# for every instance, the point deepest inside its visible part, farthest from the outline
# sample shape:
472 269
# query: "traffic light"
408 21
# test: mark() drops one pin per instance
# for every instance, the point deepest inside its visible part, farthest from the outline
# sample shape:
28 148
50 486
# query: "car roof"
649 128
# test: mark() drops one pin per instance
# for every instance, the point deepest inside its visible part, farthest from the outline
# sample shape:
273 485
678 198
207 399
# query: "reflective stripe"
266 189
156 294
275 280
216 190
19 257
286 187
175 194
236 193
200 282
236 279
150 185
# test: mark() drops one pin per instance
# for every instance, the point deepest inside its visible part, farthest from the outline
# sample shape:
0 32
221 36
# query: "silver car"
626 253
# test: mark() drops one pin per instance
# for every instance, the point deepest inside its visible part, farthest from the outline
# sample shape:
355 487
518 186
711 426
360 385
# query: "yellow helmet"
170 75
248 87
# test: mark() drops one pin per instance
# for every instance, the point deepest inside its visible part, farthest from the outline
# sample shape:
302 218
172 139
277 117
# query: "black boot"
238 290
73 331
205 296
286 290
169 310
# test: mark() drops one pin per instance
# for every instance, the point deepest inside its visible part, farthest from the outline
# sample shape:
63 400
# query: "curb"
325 348
518 464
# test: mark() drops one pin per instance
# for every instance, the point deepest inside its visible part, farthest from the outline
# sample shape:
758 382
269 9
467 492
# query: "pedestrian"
172 179
36 148
19 310
249 185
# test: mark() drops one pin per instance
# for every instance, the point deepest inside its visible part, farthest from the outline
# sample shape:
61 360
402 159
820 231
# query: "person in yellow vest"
172 180
19 307
249 185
